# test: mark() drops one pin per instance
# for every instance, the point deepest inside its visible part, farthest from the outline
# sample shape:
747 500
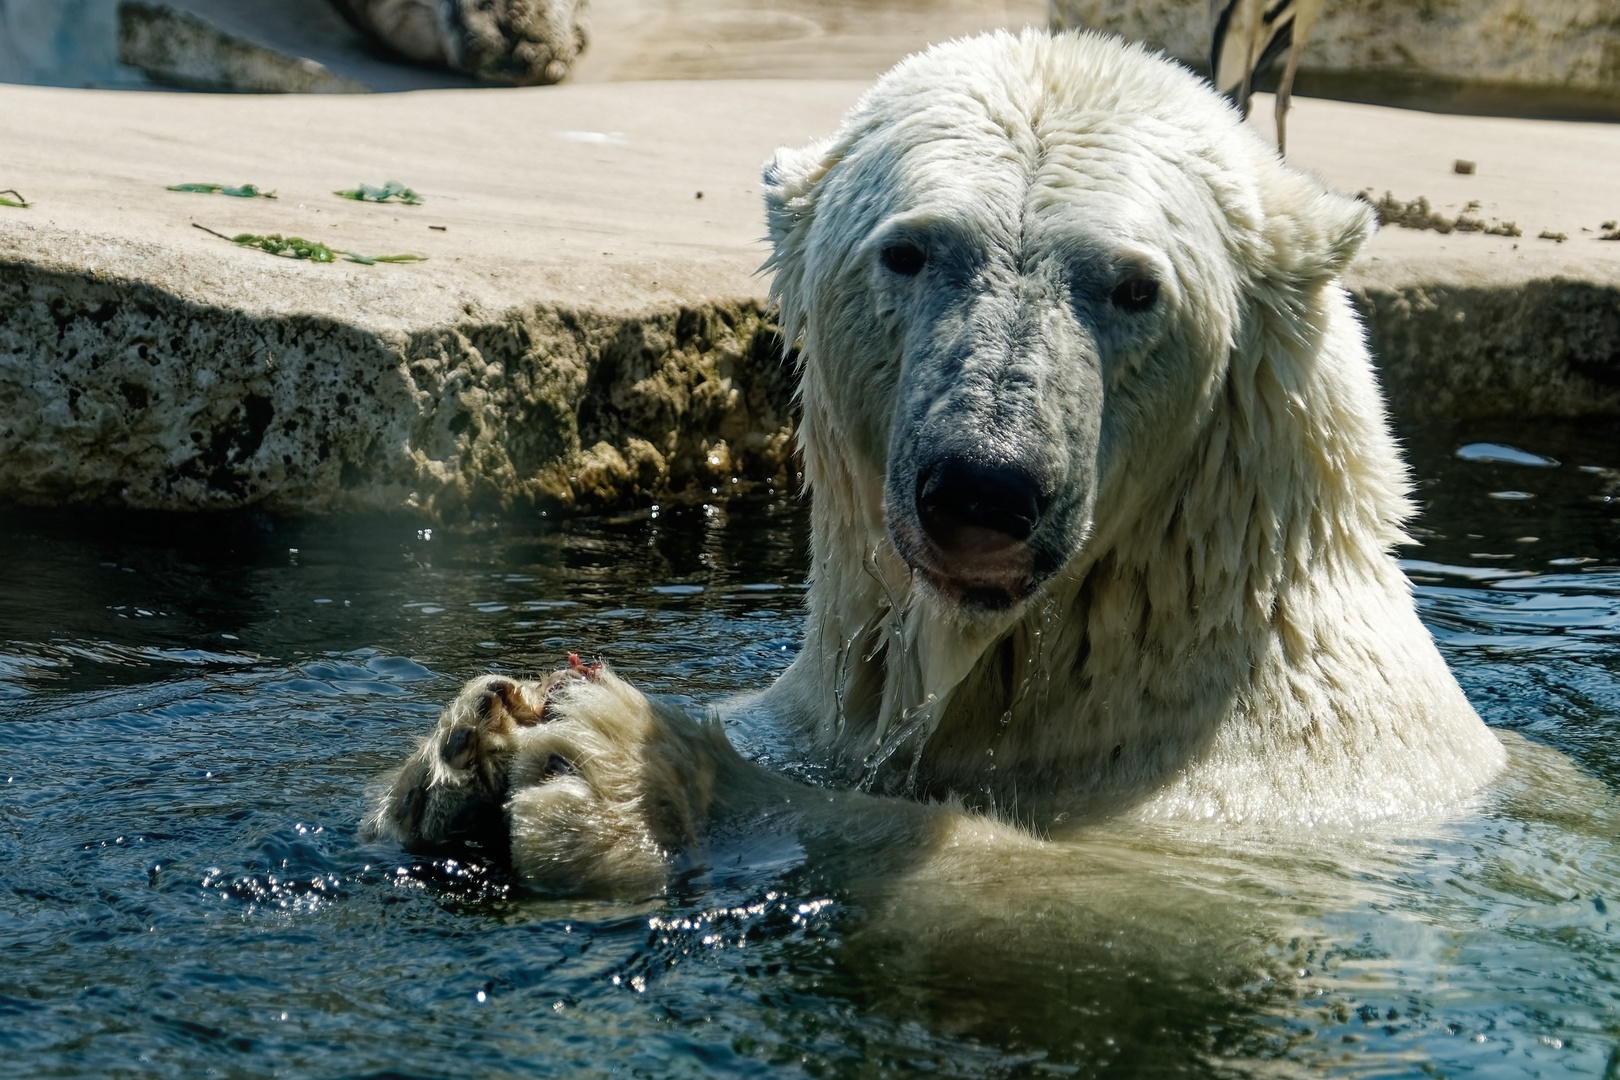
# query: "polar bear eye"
1137 294
904 259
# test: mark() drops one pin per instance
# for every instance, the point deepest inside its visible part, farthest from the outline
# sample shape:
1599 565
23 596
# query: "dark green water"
191 712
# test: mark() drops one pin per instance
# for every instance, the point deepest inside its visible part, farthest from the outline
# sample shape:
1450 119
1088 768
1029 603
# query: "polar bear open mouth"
968 531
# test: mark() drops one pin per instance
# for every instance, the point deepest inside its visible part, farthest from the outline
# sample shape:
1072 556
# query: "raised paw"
452 789
590 787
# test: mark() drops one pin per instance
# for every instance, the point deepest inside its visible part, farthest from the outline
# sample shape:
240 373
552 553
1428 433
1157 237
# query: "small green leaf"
246 191
393 189
291 247
18 202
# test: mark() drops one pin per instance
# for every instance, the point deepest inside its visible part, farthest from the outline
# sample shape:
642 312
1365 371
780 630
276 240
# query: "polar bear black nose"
955 494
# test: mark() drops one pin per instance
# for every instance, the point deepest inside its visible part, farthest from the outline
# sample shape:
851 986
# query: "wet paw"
451 790
484 718
606 790
588 785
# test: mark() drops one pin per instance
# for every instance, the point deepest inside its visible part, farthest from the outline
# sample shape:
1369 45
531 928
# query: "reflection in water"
192 709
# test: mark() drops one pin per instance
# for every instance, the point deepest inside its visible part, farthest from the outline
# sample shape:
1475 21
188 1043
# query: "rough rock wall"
1571 45
177 48
518 42
118 393
1550 348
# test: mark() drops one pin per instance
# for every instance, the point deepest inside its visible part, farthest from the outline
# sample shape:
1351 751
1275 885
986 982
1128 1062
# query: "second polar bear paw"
518 42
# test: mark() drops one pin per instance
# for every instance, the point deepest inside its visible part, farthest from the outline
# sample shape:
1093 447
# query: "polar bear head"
1022 275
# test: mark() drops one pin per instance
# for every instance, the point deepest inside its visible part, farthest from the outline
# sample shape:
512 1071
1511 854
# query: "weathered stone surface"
779 39
289 46
74 42
1548 348
117 392
1565 45
587 330
512 42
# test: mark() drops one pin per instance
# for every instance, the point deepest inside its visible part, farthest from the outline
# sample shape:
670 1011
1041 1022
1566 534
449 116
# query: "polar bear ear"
1314 233
792 178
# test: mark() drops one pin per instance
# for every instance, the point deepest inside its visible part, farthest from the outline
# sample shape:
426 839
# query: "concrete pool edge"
1543 347
157 402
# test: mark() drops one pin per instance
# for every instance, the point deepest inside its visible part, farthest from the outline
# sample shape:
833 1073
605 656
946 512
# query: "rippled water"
191 711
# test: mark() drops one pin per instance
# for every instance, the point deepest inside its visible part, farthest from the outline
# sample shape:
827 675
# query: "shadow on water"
193 708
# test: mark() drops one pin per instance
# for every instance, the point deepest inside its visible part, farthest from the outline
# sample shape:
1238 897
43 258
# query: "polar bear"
1103 504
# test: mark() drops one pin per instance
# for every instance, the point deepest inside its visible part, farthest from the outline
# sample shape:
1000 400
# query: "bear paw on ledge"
518 42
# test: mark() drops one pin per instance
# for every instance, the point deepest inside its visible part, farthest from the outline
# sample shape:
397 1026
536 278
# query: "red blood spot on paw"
576 669
579 667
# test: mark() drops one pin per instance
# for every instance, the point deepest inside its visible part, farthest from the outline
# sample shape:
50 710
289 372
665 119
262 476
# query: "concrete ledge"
1468 325
1446 352
587 330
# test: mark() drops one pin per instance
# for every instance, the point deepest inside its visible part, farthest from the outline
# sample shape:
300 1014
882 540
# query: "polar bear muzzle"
977 519
984 533
992 464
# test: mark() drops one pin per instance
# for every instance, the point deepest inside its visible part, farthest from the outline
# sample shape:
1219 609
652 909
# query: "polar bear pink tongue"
967 544
980 566
976 564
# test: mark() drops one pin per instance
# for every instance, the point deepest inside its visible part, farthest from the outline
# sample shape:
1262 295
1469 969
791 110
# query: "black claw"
458 748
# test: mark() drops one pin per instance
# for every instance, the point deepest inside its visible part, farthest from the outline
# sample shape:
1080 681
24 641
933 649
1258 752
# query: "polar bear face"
1017 274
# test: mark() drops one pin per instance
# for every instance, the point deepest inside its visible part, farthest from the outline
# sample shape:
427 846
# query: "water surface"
192 709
